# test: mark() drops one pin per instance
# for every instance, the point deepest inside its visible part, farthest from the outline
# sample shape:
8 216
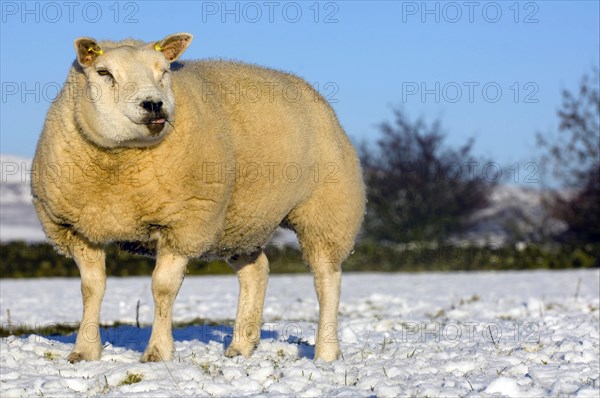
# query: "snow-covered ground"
443 334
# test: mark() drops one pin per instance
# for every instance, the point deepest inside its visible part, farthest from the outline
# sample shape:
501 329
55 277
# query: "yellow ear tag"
157 47
93 50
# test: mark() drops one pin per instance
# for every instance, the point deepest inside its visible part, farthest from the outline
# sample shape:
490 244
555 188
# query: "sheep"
194 159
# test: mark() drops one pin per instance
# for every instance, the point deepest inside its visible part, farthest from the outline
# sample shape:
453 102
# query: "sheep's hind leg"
253 273
326 226
166 281
91 264
327 284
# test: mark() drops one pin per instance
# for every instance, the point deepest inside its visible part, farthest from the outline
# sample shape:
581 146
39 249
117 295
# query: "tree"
574 159
418 189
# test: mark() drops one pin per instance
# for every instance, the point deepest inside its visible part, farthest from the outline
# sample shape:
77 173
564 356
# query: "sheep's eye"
162 77
104 72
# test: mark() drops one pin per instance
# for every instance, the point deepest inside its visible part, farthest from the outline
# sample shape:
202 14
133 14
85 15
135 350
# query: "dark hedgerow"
23 260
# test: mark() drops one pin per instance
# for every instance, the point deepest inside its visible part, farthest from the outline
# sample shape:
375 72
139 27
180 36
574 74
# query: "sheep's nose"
152 106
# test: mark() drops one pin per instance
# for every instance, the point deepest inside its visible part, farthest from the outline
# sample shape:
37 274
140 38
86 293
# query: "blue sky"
366 56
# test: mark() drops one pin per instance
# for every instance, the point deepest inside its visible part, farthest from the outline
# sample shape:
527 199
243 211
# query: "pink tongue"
158 121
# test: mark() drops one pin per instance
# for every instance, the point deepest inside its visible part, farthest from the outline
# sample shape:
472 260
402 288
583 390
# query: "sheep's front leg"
166 281
253 274
91 264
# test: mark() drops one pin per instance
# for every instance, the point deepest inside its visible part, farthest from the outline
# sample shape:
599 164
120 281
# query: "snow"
439 334
15 169
18 221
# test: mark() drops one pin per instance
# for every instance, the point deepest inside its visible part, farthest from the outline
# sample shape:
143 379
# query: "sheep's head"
128 100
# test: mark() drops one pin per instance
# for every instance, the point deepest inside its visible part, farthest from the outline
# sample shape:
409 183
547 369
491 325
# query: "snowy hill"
511 207
18 220
514 211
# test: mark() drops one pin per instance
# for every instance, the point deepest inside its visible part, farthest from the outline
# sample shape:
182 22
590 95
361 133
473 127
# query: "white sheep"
194 159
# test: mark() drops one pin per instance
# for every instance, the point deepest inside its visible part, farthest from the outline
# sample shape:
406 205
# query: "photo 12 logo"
469 11
270 11
37 92
69 12
470 332
270 91
470 91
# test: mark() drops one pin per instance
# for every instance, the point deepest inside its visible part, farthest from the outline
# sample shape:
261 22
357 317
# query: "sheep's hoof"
234 351
78 356
75 357
153 354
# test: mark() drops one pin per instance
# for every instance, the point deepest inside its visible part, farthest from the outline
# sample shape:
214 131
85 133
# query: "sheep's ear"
174 45
87 50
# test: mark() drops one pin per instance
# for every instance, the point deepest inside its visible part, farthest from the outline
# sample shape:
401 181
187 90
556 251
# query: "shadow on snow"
136 339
